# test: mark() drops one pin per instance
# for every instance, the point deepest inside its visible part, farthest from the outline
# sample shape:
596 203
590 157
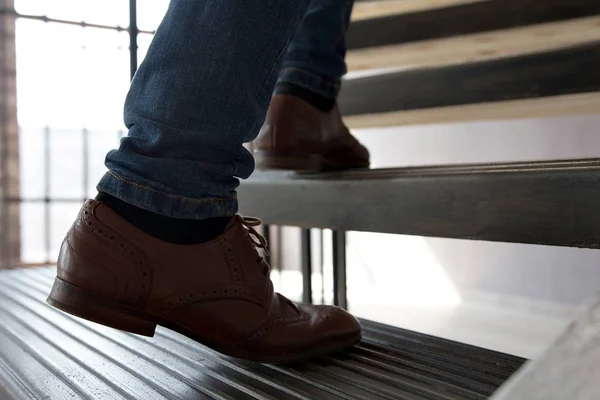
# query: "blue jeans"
315 57
203 91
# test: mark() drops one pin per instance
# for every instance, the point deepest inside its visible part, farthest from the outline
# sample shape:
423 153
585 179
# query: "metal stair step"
45 353
549 202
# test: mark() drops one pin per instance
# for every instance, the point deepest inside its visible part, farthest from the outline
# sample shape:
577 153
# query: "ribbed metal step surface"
544 202
46 354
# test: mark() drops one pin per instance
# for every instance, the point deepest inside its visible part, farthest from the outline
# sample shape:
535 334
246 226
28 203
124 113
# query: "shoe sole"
303 163
114 314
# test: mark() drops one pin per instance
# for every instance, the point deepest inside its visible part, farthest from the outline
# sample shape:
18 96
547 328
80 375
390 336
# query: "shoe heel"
272 159
84 304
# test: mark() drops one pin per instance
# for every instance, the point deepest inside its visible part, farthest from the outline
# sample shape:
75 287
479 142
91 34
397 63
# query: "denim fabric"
203 90
315 57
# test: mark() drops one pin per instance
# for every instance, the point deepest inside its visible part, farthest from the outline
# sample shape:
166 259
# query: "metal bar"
339 269
582 164
133 32
47 177
478 16
549 203
43 200
568 70
83 24
306 266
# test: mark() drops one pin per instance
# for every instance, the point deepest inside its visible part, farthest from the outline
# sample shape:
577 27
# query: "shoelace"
259 241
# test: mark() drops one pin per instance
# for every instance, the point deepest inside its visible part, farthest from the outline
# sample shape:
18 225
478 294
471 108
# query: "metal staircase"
46 354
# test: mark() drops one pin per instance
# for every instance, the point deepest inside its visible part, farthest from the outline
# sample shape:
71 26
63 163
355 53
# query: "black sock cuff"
173 230
316 100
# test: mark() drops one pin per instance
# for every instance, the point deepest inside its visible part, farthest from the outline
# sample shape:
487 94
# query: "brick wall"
9 145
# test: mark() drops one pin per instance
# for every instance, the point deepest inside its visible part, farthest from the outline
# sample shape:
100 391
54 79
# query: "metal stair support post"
306 244
339 269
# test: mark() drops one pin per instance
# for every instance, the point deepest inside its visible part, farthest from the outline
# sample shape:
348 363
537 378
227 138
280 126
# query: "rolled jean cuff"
310 81
167 204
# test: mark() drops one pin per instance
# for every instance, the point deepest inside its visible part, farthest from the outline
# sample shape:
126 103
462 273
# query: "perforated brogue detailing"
222 292
325 312
122 245
235 270
263 330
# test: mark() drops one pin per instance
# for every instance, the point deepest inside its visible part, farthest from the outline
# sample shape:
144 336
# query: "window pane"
33 228
62 216
66 163
70 77
70 80
150 13
31 159
106 64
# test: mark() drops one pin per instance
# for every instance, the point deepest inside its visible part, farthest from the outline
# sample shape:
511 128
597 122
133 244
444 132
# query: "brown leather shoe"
300 137
217 293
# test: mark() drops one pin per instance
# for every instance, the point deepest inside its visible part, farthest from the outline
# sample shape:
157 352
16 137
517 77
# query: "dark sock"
316 100
173 230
